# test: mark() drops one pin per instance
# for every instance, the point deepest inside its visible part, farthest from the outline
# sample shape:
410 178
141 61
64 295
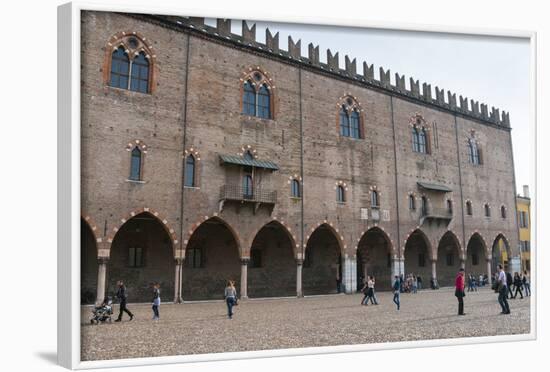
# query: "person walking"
230 295
502 291
518 284
414 284
526 283
370 291
459 291
419 281
509 283
122 296
156 301
396 291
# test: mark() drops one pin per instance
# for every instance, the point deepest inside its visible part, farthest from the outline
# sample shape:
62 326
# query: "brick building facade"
208 156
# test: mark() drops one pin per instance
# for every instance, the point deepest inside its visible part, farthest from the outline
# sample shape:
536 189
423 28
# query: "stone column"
489 273
101 274
349 274
434 271
244 277
299 265
177 281
462 263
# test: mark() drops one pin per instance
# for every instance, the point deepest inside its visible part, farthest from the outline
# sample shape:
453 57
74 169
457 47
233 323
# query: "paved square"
291 323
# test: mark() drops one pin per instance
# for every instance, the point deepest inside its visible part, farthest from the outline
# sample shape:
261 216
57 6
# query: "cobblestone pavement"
194 328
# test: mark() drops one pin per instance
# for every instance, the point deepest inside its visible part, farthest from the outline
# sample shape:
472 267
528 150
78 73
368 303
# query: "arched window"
249 99
248 191
412 202
424 206
131 63
374 202
355 127
469 211
264 109
420 143
135 164
120 68
140 74
503 211
295 189
340 194
248 156
474 153
344 122
487 210
449 206
420 138
257 99
190 171
349 118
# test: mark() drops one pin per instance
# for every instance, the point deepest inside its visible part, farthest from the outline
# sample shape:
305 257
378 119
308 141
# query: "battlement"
418 91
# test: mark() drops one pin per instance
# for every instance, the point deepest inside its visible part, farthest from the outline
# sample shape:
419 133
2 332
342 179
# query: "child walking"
156 301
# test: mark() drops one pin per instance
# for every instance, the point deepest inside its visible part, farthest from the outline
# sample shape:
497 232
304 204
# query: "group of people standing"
515 285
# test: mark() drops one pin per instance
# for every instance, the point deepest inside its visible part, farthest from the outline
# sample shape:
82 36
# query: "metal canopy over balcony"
238 160
434 187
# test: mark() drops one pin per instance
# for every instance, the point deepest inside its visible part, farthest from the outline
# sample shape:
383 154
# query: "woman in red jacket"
459 291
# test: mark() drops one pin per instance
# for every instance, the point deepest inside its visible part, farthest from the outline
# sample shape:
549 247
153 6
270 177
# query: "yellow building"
524 221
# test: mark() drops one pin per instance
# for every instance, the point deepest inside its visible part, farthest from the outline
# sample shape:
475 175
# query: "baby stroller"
103 312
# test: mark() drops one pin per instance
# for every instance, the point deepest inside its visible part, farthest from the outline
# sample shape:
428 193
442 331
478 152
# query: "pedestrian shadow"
48 356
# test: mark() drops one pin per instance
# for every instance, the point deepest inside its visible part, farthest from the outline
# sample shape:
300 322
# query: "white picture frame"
69 189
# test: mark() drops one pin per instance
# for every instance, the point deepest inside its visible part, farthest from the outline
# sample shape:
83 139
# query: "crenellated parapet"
416 90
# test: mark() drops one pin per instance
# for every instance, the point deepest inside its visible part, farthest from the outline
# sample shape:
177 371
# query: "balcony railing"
443 214
253 195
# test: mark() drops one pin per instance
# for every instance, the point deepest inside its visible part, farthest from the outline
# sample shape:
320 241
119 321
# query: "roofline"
221 34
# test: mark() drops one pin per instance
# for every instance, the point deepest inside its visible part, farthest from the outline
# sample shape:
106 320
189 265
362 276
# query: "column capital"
102 260
179 260
245 261
299 261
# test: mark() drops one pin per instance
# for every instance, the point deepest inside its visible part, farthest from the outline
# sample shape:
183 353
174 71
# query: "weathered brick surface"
209 120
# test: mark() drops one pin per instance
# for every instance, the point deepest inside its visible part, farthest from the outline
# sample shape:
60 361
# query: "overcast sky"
491 70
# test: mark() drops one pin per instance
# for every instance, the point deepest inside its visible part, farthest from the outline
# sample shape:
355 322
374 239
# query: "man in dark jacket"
509 282
121 295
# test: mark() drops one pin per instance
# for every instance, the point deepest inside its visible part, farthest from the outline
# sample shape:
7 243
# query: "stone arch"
189 233
272 265
286 229
142 252
501 252
476 255
89 252
212 257
374 257
418 255
330 226
323 254
450 256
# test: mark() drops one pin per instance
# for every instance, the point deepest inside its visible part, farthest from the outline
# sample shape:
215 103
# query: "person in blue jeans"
396 291
156 301
230 295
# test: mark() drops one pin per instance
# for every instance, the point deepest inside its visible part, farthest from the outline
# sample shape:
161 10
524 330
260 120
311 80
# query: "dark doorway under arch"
322 263
141 254
448 260
88 264
418 257
272 266
374 259
211 259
